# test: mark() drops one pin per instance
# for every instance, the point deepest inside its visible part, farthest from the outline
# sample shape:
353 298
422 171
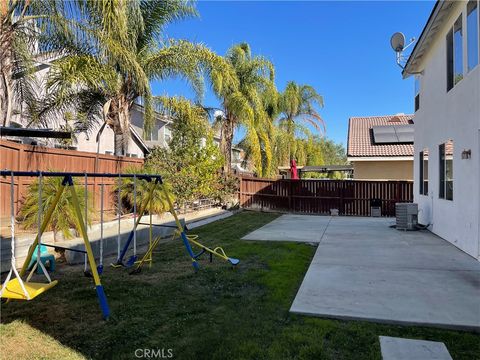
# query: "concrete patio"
365 270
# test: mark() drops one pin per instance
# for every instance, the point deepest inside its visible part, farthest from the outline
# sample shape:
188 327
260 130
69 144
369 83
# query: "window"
423 172
446 170
472 34
450 60
167 134
153 135
455 54
458 50
417 92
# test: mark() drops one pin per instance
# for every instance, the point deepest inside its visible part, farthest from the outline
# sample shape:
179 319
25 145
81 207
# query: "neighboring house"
445 61
100 138
82 141
381 147
162 133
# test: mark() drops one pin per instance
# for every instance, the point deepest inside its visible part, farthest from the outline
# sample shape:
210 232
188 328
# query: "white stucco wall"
84 142
106 144
450 115
158 127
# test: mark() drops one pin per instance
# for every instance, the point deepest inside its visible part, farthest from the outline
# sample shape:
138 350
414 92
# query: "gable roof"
360 140
440 13
139 140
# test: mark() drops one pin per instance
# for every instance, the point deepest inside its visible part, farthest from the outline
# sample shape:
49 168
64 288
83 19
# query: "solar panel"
404 133
393 134
384 135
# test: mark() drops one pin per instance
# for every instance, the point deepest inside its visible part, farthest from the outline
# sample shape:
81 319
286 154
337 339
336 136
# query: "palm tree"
158 203
297 103
64 217
243 105
117 48
18 23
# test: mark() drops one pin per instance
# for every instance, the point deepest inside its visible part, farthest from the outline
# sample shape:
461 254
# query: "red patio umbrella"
293 170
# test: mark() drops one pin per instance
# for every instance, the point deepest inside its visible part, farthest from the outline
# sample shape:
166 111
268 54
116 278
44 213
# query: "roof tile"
360 142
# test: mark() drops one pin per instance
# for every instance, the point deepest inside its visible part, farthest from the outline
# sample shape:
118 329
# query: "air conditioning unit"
407 216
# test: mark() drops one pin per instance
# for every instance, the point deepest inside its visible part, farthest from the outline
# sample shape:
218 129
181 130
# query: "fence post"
240 197
21 161
289 192
397 192
341 211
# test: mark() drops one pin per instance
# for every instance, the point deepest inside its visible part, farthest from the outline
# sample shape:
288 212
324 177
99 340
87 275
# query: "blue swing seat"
131 261
233 261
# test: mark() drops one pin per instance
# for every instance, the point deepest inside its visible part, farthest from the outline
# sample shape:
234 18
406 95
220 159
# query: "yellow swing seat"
14 290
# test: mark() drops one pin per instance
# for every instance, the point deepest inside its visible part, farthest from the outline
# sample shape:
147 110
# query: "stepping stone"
394 348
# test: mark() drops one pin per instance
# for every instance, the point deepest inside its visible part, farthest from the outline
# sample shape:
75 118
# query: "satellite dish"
397 41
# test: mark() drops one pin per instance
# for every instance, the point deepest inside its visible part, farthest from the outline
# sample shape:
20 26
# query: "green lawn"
218 313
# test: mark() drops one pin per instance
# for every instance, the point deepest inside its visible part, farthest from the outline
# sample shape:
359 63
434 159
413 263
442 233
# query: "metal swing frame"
31 290
186 238
67 182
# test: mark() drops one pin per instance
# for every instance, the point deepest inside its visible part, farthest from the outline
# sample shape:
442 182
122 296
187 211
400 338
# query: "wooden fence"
350 197
20 157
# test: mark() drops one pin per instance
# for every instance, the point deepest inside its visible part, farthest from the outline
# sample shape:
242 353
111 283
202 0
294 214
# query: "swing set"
14 288
181 231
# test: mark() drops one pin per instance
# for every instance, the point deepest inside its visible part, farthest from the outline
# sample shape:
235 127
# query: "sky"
341 48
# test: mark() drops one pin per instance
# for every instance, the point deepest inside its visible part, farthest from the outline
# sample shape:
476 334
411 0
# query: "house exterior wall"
87 142
442 116
83 141
383 170
158 132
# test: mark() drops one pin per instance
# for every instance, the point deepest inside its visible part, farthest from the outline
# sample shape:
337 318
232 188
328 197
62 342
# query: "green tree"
333 153
191 164
322 151
243 105
280 147
298 104
115 48
20 22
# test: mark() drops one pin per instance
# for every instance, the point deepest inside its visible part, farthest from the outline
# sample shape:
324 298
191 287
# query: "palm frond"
156 14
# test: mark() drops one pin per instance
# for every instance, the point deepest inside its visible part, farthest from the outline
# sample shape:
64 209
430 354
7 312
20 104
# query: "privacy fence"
350 197
20 157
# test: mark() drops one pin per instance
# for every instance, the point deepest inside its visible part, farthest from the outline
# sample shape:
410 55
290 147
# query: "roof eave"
139 140
380 158
437 15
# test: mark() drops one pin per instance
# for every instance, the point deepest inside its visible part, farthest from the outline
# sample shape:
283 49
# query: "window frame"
449 60
423 173
441 170
165 135
452 54
444 182
458 27
476 31
418 86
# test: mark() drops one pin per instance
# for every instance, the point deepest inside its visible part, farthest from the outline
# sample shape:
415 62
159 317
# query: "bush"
63 217
158 203
192 163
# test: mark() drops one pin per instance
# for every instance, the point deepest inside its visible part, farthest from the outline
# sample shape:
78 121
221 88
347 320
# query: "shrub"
158 204
192 163
63 217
